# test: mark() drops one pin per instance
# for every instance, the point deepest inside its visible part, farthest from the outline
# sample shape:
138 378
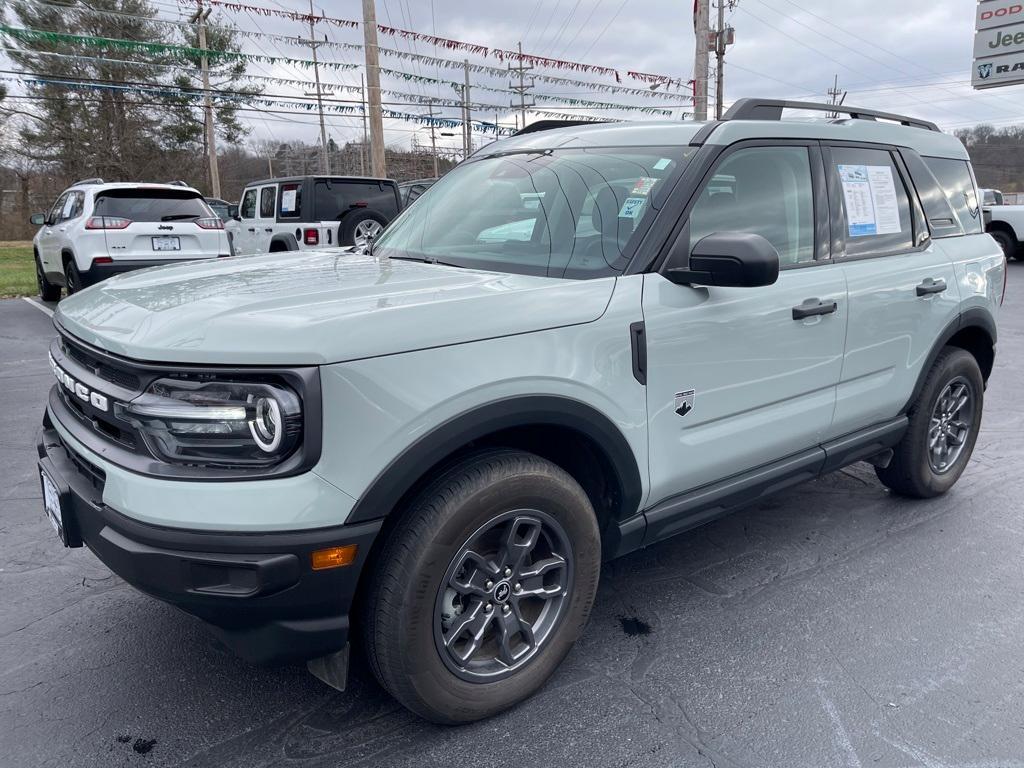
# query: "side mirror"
38 219
728 259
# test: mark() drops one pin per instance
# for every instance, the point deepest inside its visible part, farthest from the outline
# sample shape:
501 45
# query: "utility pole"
467 134
365 144
702 32
835 96
378 166
724 37
522 88
325 160
433 138
199 18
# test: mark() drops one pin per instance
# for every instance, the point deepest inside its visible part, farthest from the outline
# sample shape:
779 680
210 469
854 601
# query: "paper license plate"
166 244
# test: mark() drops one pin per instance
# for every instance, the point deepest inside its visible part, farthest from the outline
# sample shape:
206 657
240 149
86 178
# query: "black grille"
96 476
106 427
101 368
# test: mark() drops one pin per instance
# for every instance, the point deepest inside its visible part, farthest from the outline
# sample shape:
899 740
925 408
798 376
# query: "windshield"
560 213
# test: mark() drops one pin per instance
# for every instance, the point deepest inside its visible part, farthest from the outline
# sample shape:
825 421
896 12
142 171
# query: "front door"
243 236
49 237
736 378
267 217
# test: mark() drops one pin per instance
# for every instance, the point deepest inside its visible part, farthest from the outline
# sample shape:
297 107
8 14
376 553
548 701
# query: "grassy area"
17 272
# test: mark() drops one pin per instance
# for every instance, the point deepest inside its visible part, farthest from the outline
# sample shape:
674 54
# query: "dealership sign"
998 44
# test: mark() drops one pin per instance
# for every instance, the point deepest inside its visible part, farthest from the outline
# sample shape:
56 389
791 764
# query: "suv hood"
317 307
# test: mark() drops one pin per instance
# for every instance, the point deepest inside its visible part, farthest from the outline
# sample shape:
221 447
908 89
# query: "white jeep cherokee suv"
577 343
95 230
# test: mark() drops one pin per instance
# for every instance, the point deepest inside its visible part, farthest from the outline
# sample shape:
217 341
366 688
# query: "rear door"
902 287
158 224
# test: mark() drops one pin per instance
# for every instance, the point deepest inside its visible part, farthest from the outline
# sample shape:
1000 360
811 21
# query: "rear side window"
152 205
875 204
268 197
954 176
336 198
291 201
247 210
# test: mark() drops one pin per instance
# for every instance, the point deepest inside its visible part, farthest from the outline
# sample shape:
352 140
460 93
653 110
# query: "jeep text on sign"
999 41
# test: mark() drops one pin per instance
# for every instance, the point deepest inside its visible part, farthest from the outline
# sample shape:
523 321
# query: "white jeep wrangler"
577 343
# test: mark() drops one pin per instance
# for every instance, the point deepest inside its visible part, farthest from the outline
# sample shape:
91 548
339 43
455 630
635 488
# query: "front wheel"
944 424
483 587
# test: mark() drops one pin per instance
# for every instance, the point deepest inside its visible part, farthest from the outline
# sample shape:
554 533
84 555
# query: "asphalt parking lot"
834 625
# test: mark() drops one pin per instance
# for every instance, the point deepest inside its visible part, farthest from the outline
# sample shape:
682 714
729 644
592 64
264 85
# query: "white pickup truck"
1004 222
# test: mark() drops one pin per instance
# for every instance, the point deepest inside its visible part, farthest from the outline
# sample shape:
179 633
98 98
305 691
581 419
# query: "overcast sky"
911 56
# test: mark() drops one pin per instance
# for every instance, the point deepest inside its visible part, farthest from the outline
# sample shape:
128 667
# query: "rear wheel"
72 277
483 587
944 424
1007 242
47 290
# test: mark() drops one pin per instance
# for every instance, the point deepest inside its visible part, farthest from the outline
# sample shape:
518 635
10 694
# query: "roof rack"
85 182
547 125
771 109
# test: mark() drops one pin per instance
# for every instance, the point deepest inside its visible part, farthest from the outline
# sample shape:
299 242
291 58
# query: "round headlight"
266 427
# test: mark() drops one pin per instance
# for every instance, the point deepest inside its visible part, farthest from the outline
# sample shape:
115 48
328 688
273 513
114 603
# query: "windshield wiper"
179 217
429 260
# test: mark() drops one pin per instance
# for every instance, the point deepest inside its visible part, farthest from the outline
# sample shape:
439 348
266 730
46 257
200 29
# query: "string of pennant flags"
195 95
526 59
111 43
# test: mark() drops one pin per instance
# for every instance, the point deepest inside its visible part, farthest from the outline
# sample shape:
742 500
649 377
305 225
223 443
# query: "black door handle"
252 229
268 229
930 286
812 307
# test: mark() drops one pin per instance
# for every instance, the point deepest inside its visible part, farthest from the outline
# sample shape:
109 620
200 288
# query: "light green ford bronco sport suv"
579 342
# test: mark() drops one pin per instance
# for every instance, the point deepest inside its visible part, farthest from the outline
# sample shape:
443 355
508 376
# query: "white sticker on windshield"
643 186
662 164
632 208
288 201
872 207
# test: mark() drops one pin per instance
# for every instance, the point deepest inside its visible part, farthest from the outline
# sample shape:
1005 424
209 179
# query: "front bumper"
256 590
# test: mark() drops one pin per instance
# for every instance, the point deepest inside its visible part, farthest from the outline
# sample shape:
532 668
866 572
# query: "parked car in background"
1004 222
413 189
95 230
307 212
225 210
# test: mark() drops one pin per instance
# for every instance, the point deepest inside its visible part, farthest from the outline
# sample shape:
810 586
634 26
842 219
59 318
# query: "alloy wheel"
950 425
503 595
367 230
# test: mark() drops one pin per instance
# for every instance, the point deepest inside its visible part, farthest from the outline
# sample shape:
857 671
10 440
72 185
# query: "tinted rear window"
954 176
336 198
152 205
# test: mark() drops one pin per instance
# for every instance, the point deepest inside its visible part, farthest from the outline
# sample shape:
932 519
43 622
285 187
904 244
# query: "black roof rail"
547 125
85 182
771 109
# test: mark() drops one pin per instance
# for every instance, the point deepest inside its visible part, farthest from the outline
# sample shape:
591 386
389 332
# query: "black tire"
47 290
352 222
402 611
72 277
911 472
1006 241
